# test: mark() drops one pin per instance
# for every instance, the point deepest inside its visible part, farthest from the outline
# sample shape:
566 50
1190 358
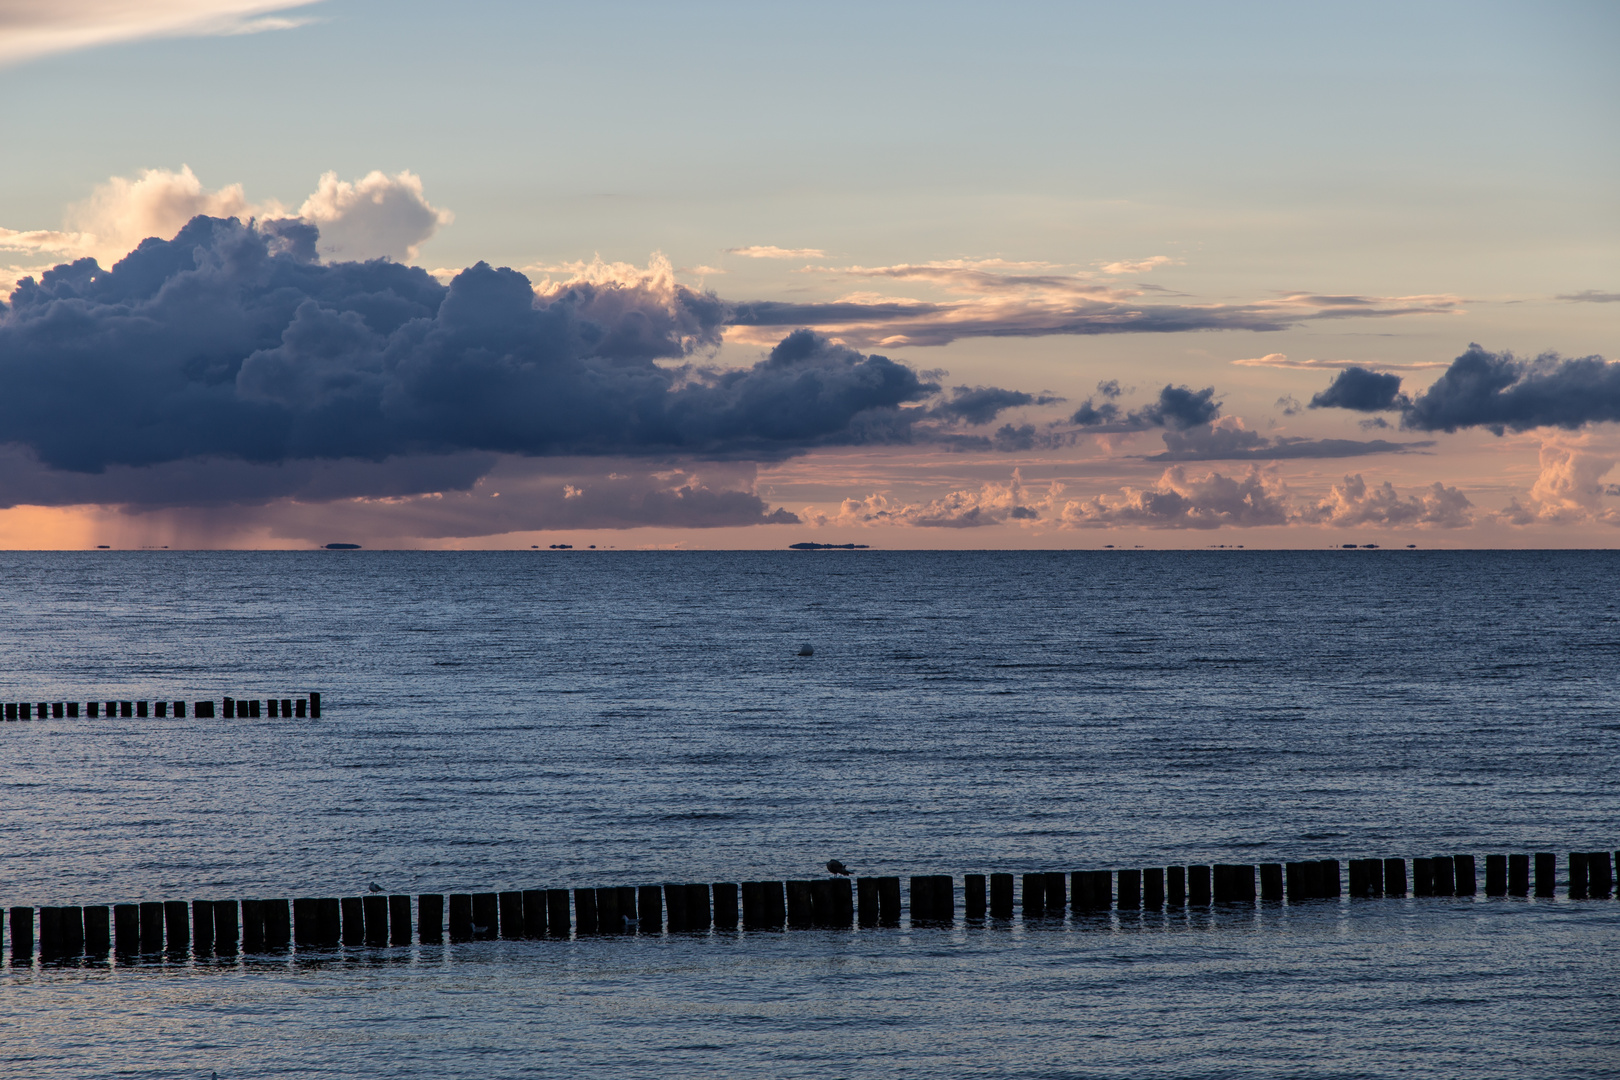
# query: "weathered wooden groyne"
200 929
230 708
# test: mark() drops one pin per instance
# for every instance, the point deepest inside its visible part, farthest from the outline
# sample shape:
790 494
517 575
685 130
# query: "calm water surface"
540 719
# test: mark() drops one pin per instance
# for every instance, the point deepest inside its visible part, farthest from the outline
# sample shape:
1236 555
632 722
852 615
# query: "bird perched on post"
376 887
836 867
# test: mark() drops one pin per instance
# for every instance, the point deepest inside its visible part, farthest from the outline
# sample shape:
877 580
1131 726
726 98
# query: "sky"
744 275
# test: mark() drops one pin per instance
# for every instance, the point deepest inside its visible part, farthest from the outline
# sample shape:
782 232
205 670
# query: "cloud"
1280 360
769 251
998 304
377 216
991 504
1141 266
1362 390
228 342
1568 490
982 404
1591 296
34 28
1176 407
1352 503
1179 501
1501 392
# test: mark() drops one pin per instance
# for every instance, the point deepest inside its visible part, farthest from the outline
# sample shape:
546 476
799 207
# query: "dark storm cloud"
1501 392
230 343
1177 408
982 404
1360 389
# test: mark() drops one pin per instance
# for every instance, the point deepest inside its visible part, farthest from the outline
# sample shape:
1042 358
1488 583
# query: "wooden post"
225 928
1546 873
800 909
1599 878
1332 884
775 904
301 707
866 889
202 927
1358 879
698 917
97 932
252 927
399 919
1236 884
1466 878
486 916
314 706
50 934
22 937
1496 875
353 917
140 710
1001 896
331 922
1444 870
376 905
1175 886
753 905
973 896
534 914
608 919
843 906
461 916
585 911
151 926
1271 883
1198 889
513 925
725 905
277 924
675 905
180 710
177 926
59 710
650 909
1422 877
430 918
1084 892
73 931
557 921
1034 895
126 929
1129 884
227 709
1577 875
821 903
1056 895
1394 877
204 710
627 907
1153 888
889 901
1375 876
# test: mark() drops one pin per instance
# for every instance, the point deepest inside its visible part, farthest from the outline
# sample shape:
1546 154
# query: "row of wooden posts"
205 928
229 708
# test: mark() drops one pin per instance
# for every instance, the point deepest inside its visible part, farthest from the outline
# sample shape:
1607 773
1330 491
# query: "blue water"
549 719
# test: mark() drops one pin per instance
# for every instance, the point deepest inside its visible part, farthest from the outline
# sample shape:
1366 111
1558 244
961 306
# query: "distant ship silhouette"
342 547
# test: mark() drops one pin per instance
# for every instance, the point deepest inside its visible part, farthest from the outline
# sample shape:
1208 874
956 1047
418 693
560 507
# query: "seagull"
806 649
376 887
836 867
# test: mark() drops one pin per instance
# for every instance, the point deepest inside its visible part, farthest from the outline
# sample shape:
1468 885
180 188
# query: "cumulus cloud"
229 342
378 216
982 404
990 504
1352 502
1362 390
1180 501
1568 490
1501 392
33 28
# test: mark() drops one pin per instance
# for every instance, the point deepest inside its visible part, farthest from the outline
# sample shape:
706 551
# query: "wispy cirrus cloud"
999 304
34 28
1281 360
771 251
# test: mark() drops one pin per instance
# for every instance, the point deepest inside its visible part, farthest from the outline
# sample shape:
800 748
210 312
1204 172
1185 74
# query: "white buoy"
805 649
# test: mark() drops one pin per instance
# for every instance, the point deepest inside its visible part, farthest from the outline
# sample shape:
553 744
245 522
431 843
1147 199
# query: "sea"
556 719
